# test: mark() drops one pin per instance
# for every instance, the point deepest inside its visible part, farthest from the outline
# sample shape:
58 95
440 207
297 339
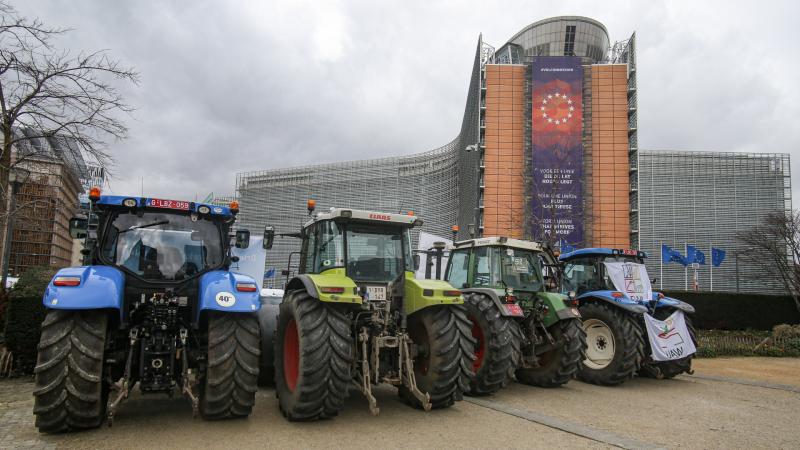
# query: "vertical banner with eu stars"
557 160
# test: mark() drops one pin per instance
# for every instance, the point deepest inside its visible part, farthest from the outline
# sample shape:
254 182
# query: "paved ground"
730 403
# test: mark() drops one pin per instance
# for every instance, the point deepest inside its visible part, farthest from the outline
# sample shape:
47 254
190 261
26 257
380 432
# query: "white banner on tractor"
631 279
669 338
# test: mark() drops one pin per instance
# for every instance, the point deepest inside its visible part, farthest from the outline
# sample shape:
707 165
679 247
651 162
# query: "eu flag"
669 255
693 255
270 273
717 256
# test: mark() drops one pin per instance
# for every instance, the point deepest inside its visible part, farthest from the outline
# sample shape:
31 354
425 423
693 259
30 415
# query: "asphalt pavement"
714 408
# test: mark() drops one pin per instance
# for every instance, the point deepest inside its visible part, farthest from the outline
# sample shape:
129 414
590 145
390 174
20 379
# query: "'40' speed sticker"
225 299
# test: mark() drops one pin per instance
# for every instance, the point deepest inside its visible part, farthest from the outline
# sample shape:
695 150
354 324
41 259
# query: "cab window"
459 266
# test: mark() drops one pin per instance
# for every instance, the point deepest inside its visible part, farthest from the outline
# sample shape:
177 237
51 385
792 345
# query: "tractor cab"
372 249
516 269
585 269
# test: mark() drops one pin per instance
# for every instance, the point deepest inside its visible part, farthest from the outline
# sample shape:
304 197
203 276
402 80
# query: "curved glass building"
547 150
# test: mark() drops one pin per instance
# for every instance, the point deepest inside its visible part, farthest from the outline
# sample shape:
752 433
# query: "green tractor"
518 326
356 314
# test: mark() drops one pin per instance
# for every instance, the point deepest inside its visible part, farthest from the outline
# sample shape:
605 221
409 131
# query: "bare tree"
774 247
46 92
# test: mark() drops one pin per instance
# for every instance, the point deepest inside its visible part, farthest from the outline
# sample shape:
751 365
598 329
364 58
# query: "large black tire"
70 391
621 343
313 358
443 364
231 380
493 350
561 364
669 369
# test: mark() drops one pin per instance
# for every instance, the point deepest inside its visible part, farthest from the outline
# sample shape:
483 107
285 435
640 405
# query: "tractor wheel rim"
600 344
291 355
480 344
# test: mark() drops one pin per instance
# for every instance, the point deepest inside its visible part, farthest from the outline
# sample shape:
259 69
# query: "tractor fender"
312 283
101 287
605 296
504 308
303 282
669 302
557 309
218 293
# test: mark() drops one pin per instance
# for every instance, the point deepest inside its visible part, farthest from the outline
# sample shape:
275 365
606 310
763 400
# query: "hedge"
736 311
24 317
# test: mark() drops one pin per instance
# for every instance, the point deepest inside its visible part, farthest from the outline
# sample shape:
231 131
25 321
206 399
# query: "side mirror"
242 239
654 281
269 237
78 227
416 261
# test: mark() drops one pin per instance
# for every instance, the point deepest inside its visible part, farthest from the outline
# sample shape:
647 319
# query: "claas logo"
380 216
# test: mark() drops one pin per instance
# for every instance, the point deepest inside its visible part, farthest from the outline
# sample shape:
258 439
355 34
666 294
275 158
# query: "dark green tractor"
520 328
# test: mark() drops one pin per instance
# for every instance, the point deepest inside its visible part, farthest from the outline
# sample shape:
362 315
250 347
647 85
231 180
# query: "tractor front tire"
70 393
493 351
614 344
231 379
313 358
669 369
443 364
561 364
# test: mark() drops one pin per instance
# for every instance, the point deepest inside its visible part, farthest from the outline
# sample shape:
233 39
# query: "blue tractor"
155 305
615 305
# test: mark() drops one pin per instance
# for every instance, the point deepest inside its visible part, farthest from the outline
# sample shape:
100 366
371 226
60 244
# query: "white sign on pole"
631 279
251 260
669 338
426 241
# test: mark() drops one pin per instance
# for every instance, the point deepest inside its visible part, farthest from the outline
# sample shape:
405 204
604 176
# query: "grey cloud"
238 86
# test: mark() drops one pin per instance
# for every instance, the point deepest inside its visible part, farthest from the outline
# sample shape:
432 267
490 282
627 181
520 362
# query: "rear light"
246 287
510 298
66 281
617 294
453 293
332 290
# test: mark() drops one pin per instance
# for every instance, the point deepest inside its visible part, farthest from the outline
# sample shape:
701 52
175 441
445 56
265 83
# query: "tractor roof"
365 216
161 204
498 241
597 251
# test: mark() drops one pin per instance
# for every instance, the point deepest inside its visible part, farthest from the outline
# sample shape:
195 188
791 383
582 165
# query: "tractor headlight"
204 209
129 202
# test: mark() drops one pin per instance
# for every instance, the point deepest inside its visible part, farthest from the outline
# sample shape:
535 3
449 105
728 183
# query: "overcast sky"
230 86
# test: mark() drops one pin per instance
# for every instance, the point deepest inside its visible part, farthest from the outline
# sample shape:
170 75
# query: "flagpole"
711 267
686 267
661 269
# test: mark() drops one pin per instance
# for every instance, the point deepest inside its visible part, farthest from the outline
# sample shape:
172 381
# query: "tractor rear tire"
70 393
669 369
231 380
313 358
615 344
445 346
493 351
559 365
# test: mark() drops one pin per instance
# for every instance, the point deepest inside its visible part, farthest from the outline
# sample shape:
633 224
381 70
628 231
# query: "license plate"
167 204
376 292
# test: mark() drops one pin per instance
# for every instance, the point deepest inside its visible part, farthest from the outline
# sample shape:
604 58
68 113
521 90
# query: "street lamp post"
16 178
